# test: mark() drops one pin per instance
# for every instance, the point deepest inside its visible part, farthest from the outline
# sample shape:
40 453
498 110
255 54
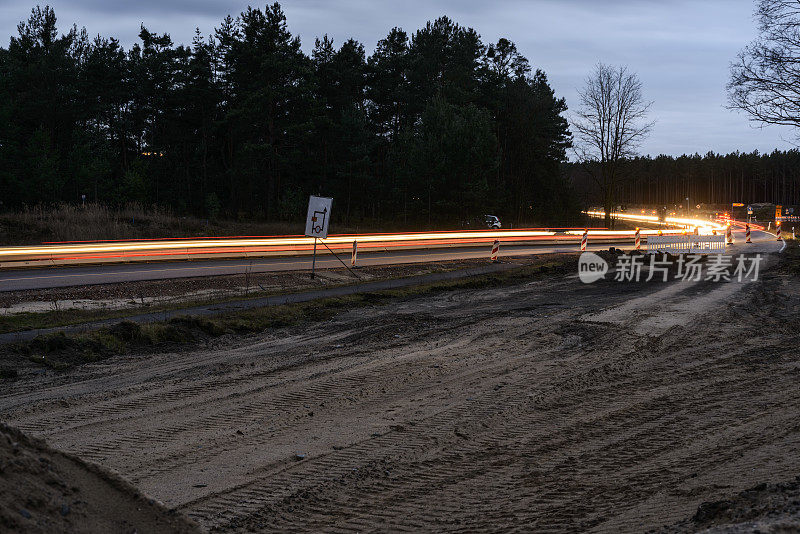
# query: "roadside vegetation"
69 222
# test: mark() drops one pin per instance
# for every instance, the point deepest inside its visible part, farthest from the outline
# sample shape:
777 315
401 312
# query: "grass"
67 222
19 322
62 351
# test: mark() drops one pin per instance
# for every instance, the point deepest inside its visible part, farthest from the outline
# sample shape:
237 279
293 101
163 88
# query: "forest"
712 179
432 128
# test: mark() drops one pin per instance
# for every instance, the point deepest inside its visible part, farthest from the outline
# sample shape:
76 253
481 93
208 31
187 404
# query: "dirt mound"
44 490
763 508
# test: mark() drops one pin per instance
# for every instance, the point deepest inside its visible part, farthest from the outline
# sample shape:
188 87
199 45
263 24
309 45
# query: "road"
549 406
43 278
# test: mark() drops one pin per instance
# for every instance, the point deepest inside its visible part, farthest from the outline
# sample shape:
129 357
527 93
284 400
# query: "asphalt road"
43 278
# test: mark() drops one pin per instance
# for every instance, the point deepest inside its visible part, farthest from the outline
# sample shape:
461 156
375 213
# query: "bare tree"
610 125
765 78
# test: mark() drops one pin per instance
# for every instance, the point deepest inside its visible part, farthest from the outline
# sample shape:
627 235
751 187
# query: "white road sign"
319 215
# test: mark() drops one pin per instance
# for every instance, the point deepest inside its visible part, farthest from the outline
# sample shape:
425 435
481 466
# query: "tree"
434 125
446 160
610 125
765 79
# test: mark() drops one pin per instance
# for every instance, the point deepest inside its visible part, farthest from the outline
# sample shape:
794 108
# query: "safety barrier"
495 250
686 244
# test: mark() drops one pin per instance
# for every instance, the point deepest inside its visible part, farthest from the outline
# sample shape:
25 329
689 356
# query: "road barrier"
729 235
687 244
584 240
638 240
495 250
778 230
747 233
354 257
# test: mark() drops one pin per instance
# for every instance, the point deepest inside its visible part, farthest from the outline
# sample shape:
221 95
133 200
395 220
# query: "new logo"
591 267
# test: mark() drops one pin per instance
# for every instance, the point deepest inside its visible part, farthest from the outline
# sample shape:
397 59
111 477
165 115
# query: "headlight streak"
177 248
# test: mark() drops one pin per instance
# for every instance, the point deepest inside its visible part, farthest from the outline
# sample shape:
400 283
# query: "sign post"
317 221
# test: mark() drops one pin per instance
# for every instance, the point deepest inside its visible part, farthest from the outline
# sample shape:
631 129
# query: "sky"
680 49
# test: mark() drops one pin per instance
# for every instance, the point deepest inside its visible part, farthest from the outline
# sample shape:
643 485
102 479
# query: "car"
492 222
486 221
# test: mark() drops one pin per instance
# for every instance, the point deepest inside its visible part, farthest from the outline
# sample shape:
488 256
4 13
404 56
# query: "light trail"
186 248
704 226
242 246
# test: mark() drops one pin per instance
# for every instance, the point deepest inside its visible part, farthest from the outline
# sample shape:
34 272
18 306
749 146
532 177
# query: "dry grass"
67 222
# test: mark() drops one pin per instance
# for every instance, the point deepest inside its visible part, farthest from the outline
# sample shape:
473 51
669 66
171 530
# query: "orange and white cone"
584 240
778 230
495 250
638 241
354 257
747 233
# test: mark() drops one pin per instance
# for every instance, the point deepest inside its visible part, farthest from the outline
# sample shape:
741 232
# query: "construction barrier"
729 235
584 240
747 233
354 257
778 230
495 250
638 240
686 244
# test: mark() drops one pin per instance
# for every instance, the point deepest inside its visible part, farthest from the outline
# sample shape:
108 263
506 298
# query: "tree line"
433 127
715 179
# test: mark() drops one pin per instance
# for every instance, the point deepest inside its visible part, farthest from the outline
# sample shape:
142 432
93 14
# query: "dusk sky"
681 49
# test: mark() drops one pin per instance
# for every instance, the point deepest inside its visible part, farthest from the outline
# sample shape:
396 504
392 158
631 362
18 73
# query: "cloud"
680 48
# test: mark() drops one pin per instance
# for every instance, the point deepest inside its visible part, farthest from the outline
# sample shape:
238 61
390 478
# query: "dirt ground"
550 406
48 491
142 294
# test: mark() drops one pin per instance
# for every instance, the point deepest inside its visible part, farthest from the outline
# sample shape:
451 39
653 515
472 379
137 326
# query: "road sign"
737 204
749 210
778 211
319 216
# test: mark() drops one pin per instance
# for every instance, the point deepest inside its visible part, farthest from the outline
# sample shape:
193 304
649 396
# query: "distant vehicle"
492 222
487 221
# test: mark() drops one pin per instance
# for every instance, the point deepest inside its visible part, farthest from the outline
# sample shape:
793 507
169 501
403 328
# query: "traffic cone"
730 235
778 230
747 234
638 240
584 240
495 250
